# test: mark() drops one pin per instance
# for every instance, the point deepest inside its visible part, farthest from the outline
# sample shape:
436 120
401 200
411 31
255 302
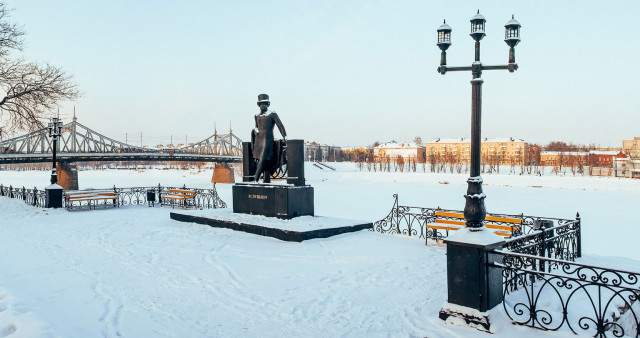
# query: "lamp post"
474 284
55 130
53 193
474 210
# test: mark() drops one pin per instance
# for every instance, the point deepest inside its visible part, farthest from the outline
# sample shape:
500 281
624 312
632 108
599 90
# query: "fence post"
1 190
579 239
543 246
10 191
395 205
35 196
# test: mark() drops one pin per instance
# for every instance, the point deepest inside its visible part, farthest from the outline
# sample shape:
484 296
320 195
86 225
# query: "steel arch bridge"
80 143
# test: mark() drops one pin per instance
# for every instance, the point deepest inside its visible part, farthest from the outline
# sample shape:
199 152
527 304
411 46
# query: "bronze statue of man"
262 138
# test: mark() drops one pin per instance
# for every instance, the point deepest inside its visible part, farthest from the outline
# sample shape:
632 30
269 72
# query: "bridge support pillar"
68 175
223 173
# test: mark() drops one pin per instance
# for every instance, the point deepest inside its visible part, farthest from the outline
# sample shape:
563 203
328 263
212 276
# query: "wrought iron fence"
406 220
563 241
413 221
204 198
33 196
555 294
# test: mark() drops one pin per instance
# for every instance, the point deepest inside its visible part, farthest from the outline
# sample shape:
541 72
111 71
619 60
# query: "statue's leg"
259 169
267 176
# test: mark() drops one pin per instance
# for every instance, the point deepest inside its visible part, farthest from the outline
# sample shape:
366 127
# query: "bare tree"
29 92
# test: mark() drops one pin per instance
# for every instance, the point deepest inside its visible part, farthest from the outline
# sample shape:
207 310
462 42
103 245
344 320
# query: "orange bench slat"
446 221
430 226
503 219
449 214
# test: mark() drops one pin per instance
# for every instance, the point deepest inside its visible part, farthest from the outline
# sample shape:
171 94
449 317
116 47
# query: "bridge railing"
78 138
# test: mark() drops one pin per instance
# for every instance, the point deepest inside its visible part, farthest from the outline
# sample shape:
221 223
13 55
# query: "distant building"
600 162
355 154
502 150
562 158
603 158
627 167
391 151
632 147
320 152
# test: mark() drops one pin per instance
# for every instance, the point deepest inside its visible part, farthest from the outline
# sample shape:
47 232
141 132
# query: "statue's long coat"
263 139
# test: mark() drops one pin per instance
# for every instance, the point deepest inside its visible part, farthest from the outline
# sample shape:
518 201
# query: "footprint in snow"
8 330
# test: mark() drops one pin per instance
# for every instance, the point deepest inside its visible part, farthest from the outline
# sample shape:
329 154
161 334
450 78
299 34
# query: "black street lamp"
471 283
53 193
55 130
474 210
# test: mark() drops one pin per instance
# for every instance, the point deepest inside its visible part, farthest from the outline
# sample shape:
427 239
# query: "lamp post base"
474 283
474 210
464 316
53 196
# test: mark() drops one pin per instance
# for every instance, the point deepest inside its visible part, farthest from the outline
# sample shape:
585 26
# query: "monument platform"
284 201
294 230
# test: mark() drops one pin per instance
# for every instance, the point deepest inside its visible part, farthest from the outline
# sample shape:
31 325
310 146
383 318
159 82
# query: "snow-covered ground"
133 272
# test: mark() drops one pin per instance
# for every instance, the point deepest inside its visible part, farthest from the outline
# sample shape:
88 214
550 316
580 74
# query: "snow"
133 272
302 223
487 140
482 237
394 144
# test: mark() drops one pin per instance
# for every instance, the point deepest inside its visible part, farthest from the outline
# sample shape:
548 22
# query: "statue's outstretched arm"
276 119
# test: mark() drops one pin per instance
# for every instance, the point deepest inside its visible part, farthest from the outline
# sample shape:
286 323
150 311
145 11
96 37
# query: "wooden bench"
179 197
452 221
92 198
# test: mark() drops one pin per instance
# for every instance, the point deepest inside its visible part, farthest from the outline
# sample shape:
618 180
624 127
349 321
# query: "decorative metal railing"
554 294
412 221
33 196
562 241
406 220
204 198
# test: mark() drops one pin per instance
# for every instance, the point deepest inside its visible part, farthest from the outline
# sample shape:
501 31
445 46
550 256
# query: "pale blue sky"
341 72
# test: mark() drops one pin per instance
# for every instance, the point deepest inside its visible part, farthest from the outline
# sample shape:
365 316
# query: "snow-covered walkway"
133 272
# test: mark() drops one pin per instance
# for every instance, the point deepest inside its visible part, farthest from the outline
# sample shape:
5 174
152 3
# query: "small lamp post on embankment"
54 191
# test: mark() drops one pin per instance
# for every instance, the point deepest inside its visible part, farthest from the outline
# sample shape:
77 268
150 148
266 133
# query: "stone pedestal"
281 201
53 196
474 285
68 175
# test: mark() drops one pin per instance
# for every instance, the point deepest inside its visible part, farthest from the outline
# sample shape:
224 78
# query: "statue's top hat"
263 98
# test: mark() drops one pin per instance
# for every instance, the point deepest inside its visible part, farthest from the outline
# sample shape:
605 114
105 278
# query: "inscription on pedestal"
258 197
